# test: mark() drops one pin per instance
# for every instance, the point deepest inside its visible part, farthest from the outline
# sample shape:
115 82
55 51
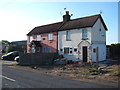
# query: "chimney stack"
66 17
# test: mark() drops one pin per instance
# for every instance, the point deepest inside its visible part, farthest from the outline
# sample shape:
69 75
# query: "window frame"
38 37
84 34
68 36
46 50
69 51
30 38
50 36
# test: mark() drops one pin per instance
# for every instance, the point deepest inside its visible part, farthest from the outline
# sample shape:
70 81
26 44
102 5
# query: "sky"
17 18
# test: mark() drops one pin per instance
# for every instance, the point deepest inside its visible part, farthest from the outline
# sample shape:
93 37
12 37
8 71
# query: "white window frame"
38 37
70 49
50 36
31 38
68 36
84 34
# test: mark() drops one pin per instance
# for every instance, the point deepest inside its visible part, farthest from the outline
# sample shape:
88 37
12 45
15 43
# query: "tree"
115 51
20 48
5 44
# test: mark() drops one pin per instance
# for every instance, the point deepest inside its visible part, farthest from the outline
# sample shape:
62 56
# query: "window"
50 36
66 50
46 50
61 50
75 49
38 49
68 36
33 49
38 37
31 38
94 50
84 34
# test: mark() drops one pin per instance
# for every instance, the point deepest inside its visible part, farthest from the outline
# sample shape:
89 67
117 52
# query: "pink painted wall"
52 44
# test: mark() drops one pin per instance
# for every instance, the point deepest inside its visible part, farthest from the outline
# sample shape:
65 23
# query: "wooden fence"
37 58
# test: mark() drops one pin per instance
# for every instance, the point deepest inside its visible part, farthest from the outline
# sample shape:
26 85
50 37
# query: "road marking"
7 78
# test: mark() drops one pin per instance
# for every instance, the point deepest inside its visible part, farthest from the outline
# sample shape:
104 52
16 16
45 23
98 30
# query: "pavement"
18 78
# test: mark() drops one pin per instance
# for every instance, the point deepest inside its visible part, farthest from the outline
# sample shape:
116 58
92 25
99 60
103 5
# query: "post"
97 62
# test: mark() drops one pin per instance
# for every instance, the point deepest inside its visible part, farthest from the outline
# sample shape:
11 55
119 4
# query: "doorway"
84 54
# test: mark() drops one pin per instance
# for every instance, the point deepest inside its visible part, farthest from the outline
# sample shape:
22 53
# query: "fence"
37 58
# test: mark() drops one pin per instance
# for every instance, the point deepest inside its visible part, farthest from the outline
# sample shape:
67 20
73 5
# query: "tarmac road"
19 78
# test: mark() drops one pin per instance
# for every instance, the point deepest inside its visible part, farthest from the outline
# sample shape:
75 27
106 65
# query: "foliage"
93 72
114 49
5 42
20 48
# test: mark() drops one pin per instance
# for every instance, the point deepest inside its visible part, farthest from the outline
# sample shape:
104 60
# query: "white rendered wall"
101 52
76 38
99 36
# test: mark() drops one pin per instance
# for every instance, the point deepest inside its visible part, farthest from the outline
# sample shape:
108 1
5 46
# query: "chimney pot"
66 17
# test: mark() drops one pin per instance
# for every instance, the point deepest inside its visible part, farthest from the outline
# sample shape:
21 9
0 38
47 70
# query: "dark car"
10 55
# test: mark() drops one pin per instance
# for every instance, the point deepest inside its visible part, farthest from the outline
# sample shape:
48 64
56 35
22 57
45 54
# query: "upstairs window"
38 37
84 34
50 36
31 38
68 38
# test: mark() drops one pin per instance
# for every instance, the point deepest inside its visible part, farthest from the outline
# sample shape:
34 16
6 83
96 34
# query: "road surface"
19 78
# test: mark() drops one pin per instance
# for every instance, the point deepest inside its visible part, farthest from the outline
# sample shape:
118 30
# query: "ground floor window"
46 50
38 49
33 49
66 50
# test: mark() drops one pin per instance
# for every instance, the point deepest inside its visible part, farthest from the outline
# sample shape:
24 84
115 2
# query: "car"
17 59
10 56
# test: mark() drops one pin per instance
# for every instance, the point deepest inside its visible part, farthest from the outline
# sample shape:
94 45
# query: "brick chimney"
66 17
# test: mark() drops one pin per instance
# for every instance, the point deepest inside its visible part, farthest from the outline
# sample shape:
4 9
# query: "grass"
91 72
116 72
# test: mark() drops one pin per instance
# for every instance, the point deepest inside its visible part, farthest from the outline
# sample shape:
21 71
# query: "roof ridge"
48 24
70 20
85 17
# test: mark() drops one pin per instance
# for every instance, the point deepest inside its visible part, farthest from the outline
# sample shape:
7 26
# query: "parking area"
5 62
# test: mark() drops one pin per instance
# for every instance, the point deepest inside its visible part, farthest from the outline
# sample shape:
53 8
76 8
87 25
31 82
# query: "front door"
84 54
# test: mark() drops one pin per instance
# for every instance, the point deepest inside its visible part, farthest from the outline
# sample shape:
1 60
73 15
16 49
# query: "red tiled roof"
72 24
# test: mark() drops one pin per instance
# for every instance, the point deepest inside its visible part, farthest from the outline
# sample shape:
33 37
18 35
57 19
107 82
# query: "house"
23 42
82 38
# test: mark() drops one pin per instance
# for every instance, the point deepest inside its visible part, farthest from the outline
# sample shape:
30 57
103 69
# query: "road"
19 78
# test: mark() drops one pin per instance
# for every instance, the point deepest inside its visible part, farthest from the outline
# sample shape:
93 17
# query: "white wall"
101 52
95 39
98 39
96 34
76 38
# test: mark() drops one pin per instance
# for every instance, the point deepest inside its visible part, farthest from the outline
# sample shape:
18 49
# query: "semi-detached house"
82 38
